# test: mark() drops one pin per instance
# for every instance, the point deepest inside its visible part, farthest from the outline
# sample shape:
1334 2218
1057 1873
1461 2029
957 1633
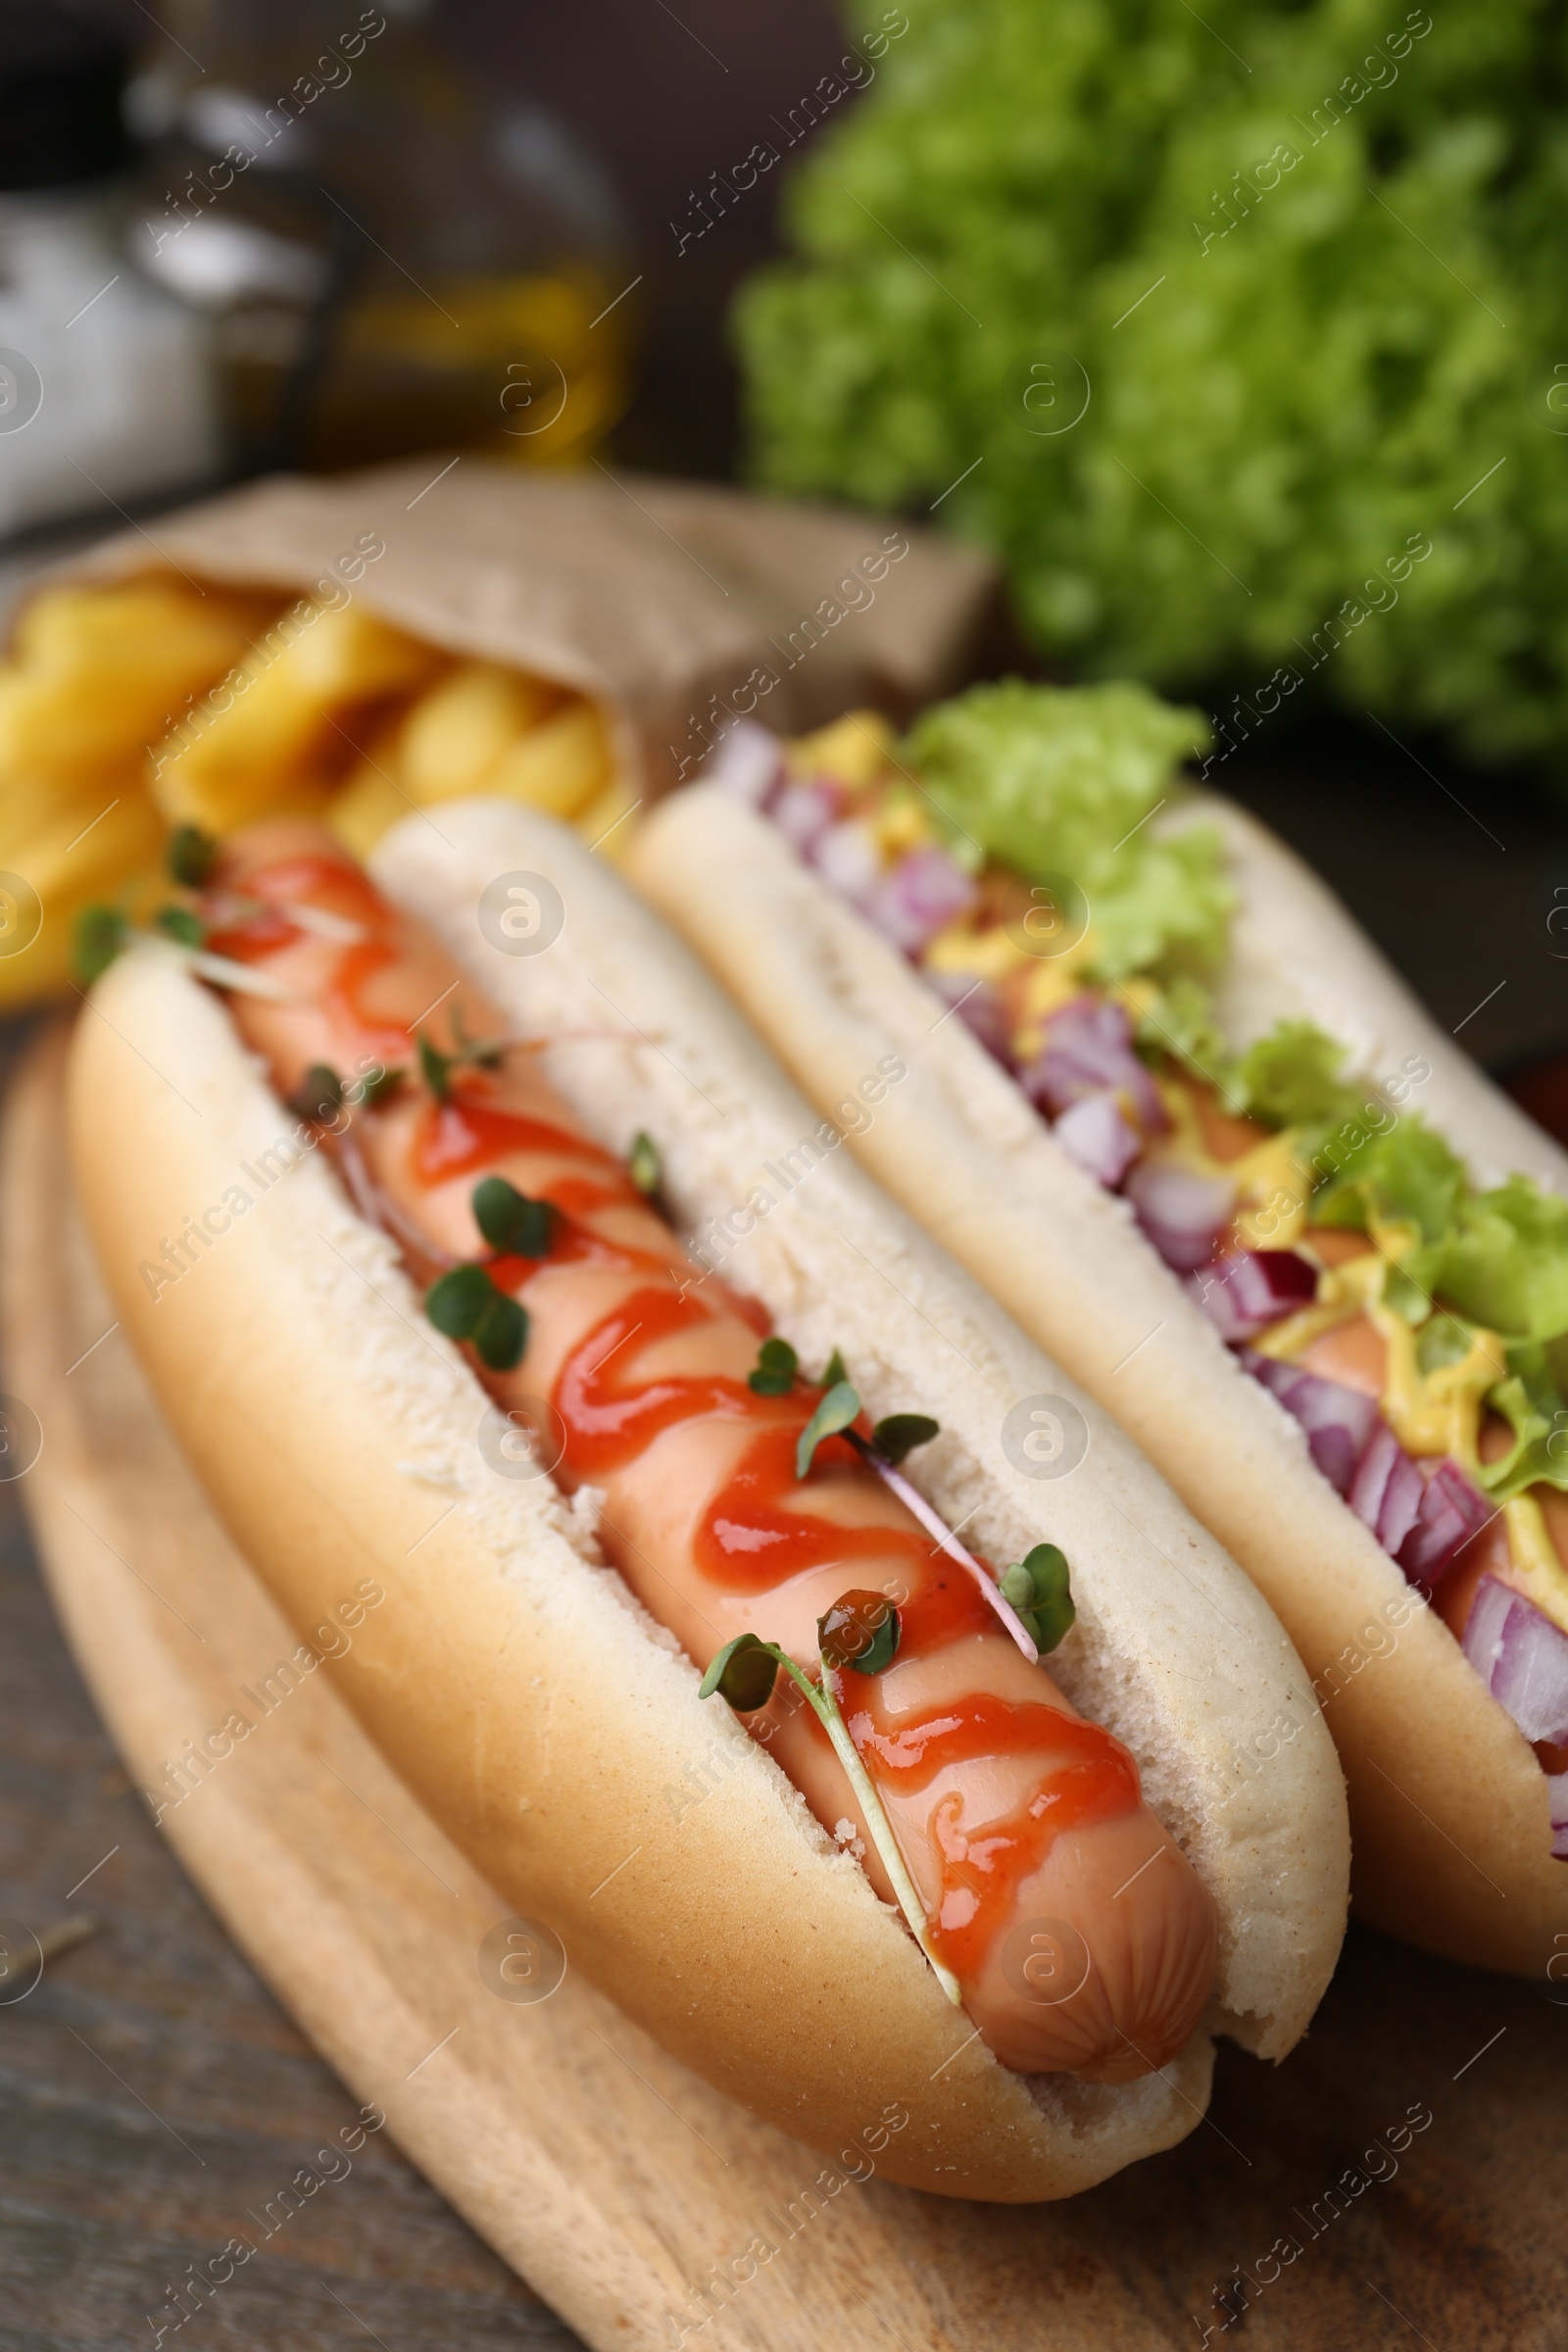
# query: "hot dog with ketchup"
756 1514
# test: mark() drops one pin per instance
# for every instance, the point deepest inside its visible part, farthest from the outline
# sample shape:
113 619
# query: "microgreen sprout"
1040 1589
744 1673
836 1411
510 1221
318 1095
99 936
900 1434
861 1630
775 1369
378 1086
189 855
466 1305
643 1163
893 1437
178 923
467 1053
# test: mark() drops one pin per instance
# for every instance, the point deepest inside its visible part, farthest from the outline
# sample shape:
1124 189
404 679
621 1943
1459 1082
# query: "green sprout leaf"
459 1300
743 1674
861 1630
467 1305
833 1371
100 934
179 922
901 1432
510 1221
732 1668
1039 1589
380 1086
435 1067
189 855
502 1333
318 1094
645 1168
838 1408
776 1366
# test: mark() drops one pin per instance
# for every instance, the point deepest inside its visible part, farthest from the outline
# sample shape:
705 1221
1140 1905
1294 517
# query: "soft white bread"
541 1716
1448 1807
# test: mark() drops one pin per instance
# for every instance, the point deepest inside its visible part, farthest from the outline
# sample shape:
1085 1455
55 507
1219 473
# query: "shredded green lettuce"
1530 1400
1062 780
1289 1078
1400 1174
1502 1260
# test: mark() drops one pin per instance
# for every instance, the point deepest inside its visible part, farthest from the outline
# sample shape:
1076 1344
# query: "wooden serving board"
646 2209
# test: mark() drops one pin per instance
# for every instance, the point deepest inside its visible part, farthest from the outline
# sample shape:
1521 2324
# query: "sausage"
1079 1933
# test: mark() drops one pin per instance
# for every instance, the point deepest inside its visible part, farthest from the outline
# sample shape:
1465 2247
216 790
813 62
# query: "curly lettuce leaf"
1401 1174
1502 1260
1181 1024
1289 1078
1531 1403
1061 780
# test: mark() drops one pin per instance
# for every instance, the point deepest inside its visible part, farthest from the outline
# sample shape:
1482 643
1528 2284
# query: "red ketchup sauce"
756 1533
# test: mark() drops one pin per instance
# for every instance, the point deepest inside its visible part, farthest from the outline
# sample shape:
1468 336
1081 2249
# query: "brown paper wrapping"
674 605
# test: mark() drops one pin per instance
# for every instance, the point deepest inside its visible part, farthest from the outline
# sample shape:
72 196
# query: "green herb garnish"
467 1305
743 1674
318 1094
189 855
775 1369
901 1432
838 1408
380 1086
101 932
510 1221
1039 1588
833 1371
643 1164
178 923
739 1668
861 1630
467 1054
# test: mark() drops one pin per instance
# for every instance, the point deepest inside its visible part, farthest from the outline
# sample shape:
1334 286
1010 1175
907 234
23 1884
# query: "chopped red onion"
1338 1421
1180 1210
1094 1132
1557 1786
1386 1490
847 857
1087 1047
979 1005
920 896
747 760
1248 1289
1451 1512
1522 1658
803 812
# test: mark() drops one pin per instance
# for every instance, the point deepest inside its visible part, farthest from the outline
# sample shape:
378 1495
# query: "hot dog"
729 1503
1171 1108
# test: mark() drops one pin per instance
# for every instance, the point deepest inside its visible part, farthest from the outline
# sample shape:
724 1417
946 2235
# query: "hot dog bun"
541 1716
1449 1809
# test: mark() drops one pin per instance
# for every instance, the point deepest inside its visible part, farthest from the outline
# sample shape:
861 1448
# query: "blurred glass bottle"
394 264
106 388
